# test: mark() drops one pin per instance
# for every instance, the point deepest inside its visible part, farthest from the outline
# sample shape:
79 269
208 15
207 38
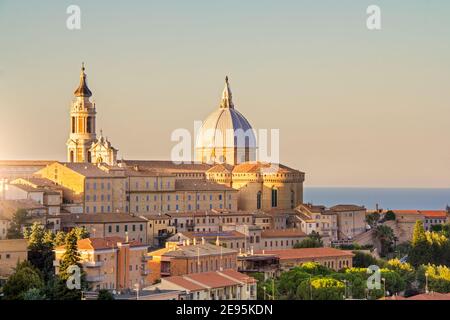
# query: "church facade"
225 154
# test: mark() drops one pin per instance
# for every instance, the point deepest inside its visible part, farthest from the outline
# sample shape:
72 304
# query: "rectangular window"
117 228
109 229
126 228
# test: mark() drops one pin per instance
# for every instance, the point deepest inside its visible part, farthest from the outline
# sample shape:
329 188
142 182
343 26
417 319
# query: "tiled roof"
87 169
102 243
100 218
168 166
214 234
347 207
238 276
207 280
200 185
426 213
422 296
280 233
15 245
42 163
197 250
308 253
262 168
183 281
210 213
221 168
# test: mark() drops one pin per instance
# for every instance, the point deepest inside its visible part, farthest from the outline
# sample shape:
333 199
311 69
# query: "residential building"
159 228
226 284
351 220
329 257
177 260
111 263
11 252
107 225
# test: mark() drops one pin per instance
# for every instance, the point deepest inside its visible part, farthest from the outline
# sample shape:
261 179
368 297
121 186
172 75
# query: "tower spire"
83 90
227 97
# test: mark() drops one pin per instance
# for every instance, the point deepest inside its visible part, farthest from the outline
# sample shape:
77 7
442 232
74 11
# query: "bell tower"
82 123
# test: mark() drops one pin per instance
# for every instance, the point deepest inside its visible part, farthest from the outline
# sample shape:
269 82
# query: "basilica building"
225 154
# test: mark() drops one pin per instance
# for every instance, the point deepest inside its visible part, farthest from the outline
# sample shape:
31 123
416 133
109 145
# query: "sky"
354 107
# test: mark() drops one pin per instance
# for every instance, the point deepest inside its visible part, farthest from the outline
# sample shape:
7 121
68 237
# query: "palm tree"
385 235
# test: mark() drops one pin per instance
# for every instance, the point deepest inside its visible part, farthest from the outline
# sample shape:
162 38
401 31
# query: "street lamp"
426 282
345 289
384 287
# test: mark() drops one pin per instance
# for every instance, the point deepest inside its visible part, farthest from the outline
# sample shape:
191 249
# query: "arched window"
73 124
258 200
89 124
274 198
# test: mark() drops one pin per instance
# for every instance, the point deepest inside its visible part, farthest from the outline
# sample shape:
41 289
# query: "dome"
226 135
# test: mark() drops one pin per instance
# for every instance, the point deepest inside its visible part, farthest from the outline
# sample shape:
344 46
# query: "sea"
386 198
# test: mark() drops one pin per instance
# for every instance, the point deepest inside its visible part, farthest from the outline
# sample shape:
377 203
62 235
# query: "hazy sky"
354 107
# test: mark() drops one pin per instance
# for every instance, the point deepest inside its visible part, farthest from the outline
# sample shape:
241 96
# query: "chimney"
203 240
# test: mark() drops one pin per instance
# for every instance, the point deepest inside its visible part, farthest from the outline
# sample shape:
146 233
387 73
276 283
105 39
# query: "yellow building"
159 228
11 252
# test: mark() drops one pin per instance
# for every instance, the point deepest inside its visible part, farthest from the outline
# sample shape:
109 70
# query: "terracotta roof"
347 207
262 168
212 235
210 213
200 185
168 166
99 218
206 249
87 169
238 276
182 281
281 233
42 163
102 243
212 279
425 213
308 253
434 213
16 245
221 168
422 296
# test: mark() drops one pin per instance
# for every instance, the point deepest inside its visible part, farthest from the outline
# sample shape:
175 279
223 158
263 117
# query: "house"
177 260
329 257
12 252
105 225
111 263
214 285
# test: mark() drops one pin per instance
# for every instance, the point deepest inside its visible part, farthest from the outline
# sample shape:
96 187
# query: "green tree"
363 260
420 249
60 239
81 233
34 294
390 215
313 240
321 289
385 235
24 278
372 219
71 256
105 295
40 250
17 224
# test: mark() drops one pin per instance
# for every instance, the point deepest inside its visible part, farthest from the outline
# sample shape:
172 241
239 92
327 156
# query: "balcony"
98 278
93 264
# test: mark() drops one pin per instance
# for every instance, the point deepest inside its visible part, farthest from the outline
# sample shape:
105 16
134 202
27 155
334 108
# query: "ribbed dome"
226 127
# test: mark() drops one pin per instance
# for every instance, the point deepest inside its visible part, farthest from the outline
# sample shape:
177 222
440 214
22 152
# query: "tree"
313 241
372 219
385 235
70 256
17 223
60 238
390 215
420 249
105 295
24 278
40 250
81 233
363 260
34 294
321 289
